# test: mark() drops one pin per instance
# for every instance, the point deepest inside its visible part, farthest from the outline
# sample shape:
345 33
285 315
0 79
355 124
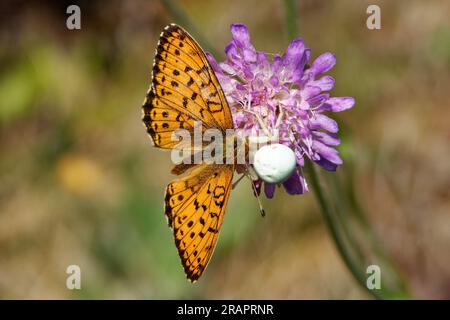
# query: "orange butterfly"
185 90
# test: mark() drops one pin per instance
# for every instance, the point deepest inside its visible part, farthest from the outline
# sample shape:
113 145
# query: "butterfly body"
185 91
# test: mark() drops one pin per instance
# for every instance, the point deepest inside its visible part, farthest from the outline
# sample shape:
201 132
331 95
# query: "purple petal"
309 92
294 60
305 58
304 77
338 104
294 184
323 63
318 99
274 81
262 60
213 62
257 184
248 74
327 138
226 68
304 105
299 157
250 55
240 87
231 52
321 121
327 152
295 49
327 165
294 53
242 44
325 83
240 34
307 54
290 103
277 64
269 190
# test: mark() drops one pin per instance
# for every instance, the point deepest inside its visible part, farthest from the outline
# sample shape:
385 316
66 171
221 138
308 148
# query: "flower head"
286 95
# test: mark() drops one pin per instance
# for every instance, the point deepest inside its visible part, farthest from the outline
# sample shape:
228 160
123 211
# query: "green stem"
332 225
182 18
343 217
290 7
326 208
361 217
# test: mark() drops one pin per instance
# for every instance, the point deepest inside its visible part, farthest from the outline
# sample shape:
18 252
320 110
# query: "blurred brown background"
81 184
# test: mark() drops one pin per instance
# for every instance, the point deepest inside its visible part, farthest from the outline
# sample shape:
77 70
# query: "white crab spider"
273 163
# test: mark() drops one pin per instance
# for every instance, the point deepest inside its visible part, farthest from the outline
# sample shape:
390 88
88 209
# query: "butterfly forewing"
183 81
184 91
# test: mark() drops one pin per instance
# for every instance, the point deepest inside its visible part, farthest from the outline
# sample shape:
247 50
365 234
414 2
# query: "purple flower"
261 91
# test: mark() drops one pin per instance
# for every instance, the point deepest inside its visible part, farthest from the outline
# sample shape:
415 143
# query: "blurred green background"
81 184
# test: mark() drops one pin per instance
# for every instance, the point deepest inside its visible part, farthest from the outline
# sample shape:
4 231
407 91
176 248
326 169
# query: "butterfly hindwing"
195 207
